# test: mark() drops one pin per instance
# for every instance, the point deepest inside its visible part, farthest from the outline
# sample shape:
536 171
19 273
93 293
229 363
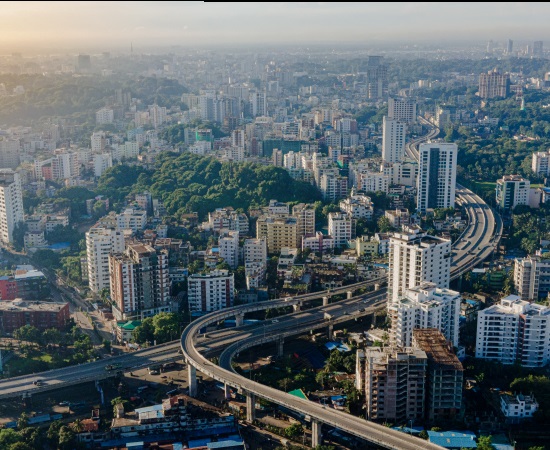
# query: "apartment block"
11 204
358 207
100 242
532 277
210 292
278 232
228 244
511 191
341 227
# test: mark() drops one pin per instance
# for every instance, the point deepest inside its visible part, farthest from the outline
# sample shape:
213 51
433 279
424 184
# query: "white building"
436 175
258 103
402 109
540 163
424 306
416 257
100 242
518 407
210 292
532 277
511 191
128 150
333 187
371 181
341 228
104 116
514 331
157 115
358 207
34 239
255 250
99 141
11 204
318 243
393 139
132 219
101 163
228 244
305 216
398 217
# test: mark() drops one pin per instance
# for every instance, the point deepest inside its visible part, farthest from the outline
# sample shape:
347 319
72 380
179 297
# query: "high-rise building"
514 331
210 292
255 262
532 277
279 232
333 187
540 163
228 244
258 104
424 306
305 216
11 204
393 140
9 153
402 109
494 84
444 375
377 77
509 47
537 49
394 383
511 191
104 116
341 227
416 257
436 176
139 281
157 115
100 242
101 163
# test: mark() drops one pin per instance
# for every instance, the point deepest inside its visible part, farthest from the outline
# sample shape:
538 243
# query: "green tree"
145 332
166 327
8 437
53 432
383 224
28 333
293 431
67 438
21 446
23 421
52 336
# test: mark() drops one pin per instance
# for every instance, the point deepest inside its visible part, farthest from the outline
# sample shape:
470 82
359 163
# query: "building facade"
100 242
511 191
393 139
210 292
11 204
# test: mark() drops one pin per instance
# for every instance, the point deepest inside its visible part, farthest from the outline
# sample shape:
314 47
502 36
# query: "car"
38 382
274 321
164 376
64 403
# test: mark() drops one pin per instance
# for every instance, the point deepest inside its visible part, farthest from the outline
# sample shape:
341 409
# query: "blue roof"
452 439
336 345
409 430
225 444
198 442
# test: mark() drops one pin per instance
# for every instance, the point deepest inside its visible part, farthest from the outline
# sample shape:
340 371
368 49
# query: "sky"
112 25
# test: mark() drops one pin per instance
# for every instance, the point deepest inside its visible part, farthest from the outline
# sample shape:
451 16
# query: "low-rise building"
517 408
398 217
42 315
358 207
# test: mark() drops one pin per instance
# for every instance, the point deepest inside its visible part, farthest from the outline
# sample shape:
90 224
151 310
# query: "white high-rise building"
416 257
540 164
402 109
104 116
101 163
341 228
370 181
157 115
11 204
131 219
511 191
258 104
424 306
210 292
100 242
255 262
10 153
436 175
532 277
98 141
393 140
514 330
228 244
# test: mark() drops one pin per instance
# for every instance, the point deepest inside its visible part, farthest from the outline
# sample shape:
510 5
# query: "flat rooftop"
31 305
432 341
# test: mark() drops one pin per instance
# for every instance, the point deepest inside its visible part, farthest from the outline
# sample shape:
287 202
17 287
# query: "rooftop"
31 305
436 347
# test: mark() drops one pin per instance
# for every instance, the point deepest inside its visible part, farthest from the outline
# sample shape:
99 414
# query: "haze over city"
34 26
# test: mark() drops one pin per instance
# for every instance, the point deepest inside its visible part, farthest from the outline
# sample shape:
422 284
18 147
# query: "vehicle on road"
153 370
140 389
38 382
110 367
65 404
274 321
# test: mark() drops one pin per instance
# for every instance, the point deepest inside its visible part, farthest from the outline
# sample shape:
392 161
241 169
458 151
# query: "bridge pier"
376 286
192 379
349 294
325 301
330 330
280 347
250 407
297 307
316 435
239 320
226 391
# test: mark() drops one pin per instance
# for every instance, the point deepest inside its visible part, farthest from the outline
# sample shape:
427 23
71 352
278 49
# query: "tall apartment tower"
258 104
395 383
537 49
416 257
509 47
402 109
140 286
11 204
393 140
305 215
436 175
494 84
100 242
532 277
377 77
228 244
210 292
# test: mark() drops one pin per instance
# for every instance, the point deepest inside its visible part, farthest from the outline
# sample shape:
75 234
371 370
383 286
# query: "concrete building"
514 331
278 232
104 116
10 153
304 213
358 207
444 375
132 219
532 277
100 242
436 175
416 257
517 408
139 282
228 244
318 243
255 250
341 227
42 315
228 219
210 292
398 218
511 191
371 181
333 187
393 139
101 162
494 84
424 306
11 204
394 384
540 163
402 109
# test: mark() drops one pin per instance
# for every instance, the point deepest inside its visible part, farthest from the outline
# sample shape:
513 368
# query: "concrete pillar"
376 286
192 379
330 329
239 319
227 392
325 301
349 294
316 437
250 407
280 347
297 307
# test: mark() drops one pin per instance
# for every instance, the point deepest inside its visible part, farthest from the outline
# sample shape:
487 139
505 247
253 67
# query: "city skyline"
33 26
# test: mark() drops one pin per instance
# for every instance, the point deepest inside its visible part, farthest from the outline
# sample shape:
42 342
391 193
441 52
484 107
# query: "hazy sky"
110 25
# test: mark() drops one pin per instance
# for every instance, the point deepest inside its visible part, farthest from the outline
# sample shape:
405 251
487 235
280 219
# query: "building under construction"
444 375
